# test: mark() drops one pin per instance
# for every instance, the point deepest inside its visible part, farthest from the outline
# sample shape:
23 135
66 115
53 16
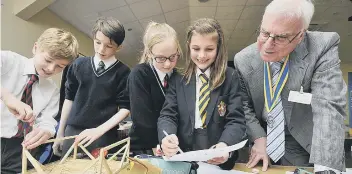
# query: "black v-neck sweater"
96 98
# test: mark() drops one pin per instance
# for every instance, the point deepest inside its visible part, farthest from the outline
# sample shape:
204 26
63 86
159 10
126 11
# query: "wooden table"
271 169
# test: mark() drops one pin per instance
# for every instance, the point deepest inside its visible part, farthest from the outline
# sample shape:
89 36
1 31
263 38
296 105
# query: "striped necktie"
101 67
204 98
26 98
276 122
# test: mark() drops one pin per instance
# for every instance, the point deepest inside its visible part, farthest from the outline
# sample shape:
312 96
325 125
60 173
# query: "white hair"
299 9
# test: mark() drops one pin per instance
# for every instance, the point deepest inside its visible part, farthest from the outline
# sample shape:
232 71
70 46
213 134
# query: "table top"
272 169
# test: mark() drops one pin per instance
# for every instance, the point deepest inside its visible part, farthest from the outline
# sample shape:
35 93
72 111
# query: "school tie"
276 122
204 98
101 67
26 98
166 79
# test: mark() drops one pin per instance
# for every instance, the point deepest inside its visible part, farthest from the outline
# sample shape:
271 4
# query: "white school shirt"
15 71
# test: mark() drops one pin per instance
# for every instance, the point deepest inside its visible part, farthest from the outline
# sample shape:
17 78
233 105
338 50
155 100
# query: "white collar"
281 61
199 72
108 62
161 74
29 67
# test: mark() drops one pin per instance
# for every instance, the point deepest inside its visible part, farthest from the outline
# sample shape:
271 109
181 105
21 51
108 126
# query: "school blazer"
178 113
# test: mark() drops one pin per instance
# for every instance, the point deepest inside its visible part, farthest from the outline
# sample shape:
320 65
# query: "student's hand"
57 146
19 109
169 145
258 152
35 138
88 136
221 159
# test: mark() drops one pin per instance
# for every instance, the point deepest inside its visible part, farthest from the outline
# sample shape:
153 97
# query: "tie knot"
34 78
101 64
203 78
166 78
276 66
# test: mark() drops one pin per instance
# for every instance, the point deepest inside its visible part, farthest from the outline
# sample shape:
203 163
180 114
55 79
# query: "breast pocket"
220 109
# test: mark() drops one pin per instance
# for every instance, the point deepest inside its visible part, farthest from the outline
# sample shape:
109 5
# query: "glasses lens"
160 59
174 57
281 40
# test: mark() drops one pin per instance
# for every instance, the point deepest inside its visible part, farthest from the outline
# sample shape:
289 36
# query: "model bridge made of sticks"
74 165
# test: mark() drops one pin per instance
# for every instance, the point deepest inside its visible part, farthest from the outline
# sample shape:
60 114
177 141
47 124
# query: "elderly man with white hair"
294 94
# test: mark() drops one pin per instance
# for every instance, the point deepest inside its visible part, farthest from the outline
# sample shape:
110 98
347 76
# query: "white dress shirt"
108 62
198 120
15 71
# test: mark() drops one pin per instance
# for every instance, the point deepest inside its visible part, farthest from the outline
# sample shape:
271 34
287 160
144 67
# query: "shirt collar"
199 72
161 74
107 62
29 67
281 61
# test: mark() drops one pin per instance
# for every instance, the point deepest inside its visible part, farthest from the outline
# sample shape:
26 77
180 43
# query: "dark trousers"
11 155
108 138
295 154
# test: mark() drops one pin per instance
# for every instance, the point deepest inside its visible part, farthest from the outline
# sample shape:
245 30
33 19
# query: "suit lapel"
214 95
190 97
256 78
297 69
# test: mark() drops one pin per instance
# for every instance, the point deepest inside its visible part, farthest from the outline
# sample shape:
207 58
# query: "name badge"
300 97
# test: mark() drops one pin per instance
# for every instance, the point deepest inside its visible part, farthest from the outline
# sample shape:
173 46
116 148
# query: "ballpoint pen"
178 148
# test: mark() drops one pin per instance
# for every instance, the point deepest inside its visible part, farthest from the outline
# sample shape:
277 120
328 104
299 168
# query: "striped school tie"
26 98
276 122
204 98
101 67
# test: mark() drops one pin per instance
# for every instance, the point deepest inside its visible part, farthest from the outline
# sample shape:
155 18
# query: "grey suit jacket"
314 65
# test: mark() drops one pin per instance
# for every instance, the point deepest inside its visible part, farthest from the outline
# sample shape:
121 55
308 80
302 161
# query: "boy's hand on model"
88 136
35 138
19 109
57 146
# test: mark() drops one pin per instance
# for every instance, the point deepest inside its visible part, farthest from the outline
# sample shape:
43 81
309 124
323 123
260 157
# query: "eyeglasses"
280 40
162 59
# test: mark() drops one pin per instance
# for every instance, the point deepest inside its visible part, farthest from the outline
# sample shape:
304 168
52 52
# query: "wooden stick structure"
69 164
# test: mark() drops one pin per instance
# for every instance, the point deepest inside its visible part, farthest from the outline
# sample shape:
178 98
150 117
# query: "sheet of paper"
348 171
204 155
205 168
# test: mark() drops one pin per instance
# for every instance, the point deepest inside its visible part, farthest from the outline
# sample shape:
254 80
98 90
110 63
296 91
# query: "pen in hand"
178 148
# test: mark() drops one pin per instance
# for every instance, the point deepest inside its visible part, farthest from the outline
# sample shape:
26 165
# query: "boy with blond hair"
29 98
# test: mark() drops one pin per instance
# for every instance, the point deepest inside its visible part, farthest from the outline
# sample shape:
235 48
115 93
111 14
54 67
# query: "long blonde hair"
154 34
205 26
